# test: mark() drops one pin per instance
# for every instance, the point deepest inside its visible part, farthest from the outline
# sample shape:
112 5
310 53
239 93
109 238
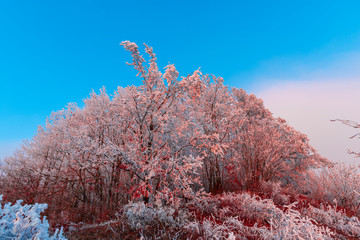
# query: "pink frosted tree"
163 142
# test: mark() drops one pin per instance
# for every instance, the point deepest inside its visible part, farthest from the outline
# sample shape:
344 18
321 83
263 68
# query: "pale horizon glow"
310 99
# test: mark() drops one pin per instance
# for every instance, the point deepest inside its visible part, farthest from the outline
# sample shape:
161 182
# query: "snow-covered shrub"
23 221
335 219
259 209
288 225
291 225
243 205
231 229
141 216
248 216
340 183
283 225
211 230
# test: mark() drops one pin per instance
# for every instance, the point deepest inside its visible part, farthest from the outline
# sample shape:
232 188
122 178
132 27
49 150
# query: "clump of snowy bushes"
155 221
292 225
241 216
336 219
340 183
209 229
23 221
141 216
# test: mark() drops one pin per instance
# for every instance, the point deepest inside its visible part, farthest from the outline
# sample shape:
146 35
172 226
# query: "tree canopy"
165 142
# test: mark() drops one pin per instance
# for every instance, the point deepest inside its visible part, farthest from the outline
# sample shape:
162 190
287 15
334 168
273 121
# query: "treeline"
165 142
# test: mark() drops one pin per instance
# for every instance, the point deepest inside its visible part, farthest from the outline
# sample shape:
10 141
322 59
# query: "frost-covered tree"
165 142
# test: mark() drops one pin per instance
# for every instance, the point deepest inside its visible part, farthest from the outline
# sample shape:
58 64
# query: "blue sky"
56 52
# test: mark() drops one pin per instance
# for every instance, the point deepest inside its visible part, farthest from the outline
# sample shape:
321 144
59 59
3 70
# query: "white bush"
292 225
139 216
279 224
283 225
341 183
336 219
213 231
19 221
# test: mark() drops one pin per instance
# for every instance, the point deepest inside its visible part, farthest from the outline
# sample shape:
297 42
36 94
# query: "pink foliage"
167 142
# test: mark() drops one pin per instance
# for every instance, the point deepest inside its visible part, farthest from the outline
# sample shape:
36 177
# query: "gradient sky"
56 52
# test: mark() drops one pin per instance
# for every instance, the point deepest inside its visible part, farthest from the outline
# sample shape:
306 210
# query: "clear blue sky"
56 52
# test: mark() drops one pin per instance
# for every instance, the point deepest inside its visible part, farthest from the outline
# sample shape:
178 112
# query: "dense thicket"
165 142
